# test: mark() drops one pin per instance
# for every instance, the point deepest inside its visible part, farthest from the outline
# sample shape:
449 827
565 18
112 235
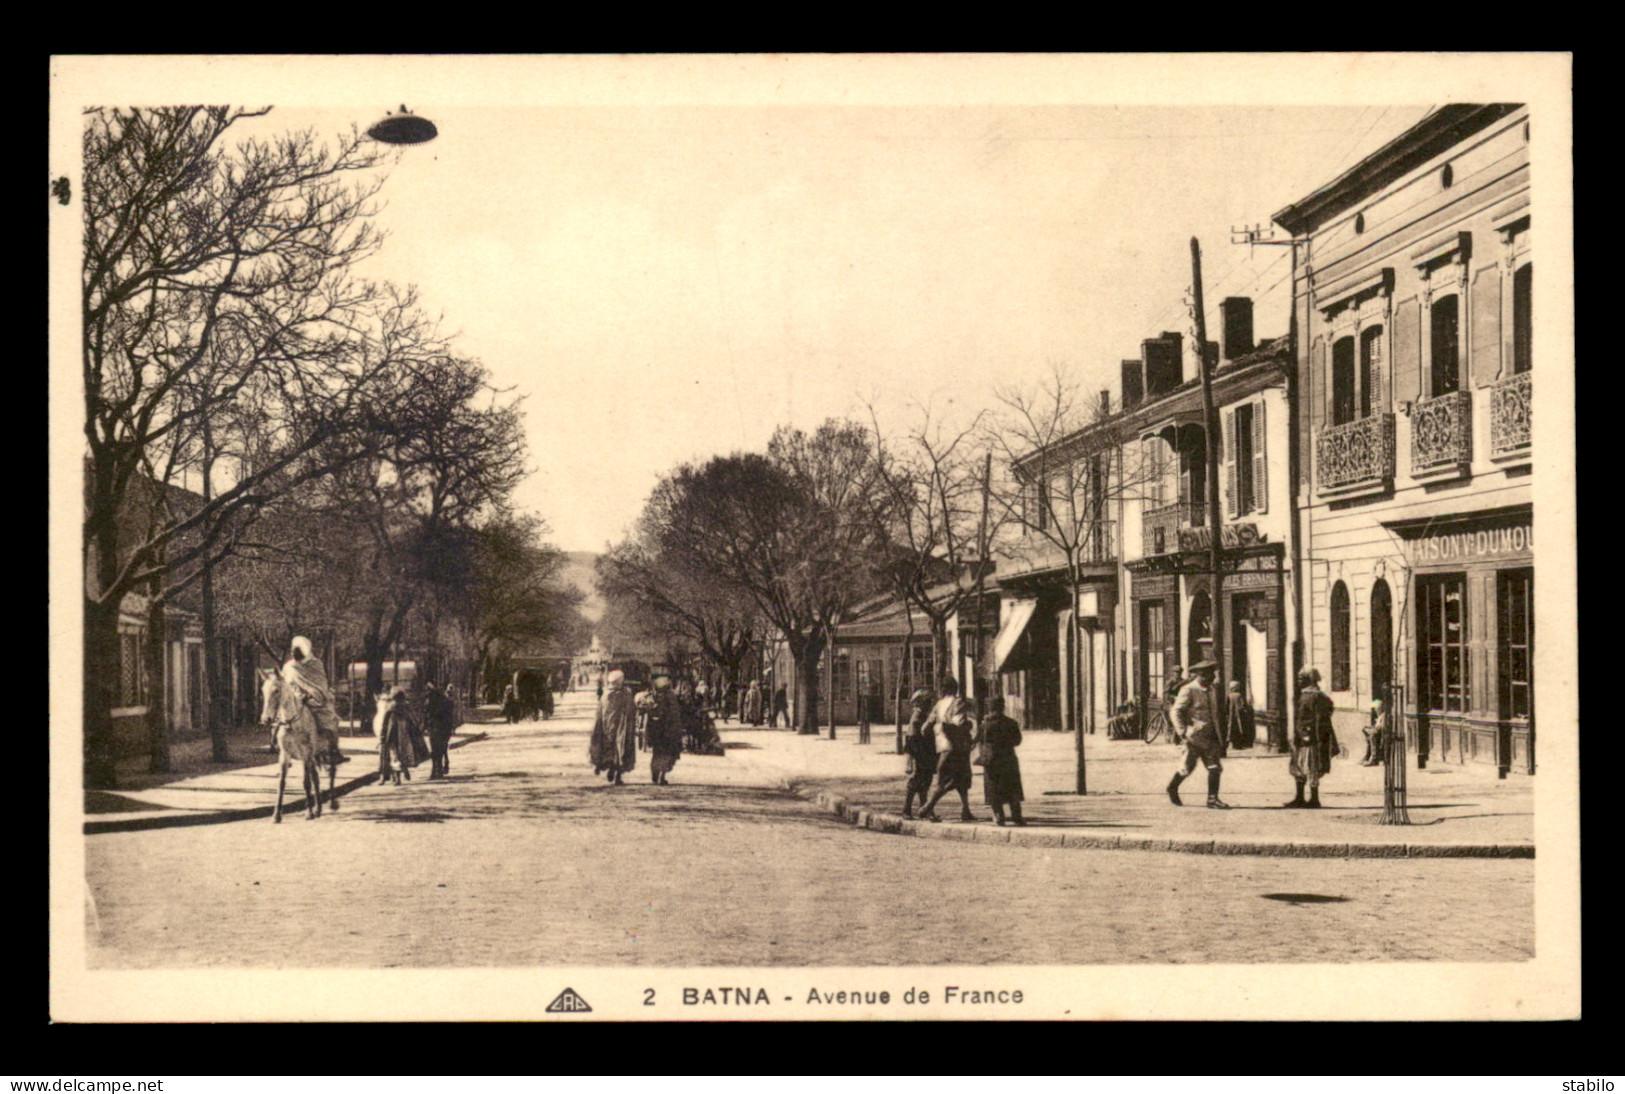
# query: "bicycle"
1157 723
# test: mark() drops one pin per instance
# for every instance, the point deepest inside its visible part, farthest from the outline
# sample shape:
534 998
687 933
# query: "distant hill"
578 571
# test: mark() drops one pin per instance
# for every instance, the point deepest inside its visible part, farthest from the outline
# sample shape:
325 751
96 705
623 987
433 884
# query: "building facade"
1413 301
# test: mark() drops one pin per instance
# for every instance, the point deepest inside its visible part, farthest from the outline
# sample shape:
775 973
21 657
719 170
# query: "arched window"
1199 626
1382 639
1340 637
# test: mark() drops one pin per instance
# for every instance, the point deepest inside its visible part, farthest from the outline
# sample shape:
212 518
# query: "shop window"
1340 637
1370 369
1441 627
131 691
1522 336
1153 643
843 678
1343 394
1446 345
1515 630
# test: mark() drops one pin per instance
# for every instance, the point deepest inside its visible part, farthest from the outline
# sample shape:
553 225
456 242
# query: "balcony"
1160 527
1509 418
1356 456
1442 436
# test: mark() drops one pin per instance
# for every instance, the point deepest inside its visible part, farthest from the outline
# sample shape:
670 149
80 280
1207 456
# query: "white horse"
296 739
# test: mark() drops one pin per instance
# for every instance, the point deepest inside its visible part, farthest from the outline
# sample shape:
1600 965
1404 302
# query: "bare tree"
1066 463
933 511
667 597
216 292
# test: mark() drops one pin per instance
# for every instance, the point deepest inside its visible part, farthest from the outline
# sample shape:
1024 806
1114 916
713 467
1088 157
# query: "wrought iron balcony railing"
1160 527
1442 432
1356 453
1509 416
1102 542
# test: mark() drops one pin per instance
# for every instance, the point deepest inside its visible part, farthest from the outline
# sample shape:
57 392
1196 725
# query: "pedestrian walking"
781 706
921 747
753 704
663 726
951 719
440 713
1001 771
1313 741
1194 722
614 747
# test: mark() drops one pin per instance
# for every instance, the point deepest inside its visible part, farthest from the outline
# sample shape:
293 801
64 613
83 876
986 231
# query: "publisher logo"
568 1002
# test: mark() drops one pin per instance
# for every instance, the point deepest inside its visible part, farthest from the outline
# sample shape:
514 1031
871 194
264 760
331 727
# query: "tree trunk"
102 668
804 653
1074 685
152 654
939 653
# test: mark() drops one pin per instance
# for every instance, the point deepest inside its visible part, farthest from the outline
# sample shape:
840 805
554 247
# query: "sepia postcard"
812 538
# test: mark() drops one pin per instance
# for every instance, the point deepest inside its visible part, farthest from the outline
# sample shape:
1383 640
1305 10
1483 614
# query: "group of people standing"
945 740
1314 742
663 719
755 704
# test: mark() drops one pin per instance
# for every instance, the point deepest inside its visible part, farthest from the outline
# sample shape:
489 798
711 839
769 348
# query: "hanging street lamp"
403 128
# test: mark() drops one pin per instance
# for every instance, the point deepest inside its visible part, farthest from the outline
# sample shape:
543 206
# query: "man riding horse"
306 676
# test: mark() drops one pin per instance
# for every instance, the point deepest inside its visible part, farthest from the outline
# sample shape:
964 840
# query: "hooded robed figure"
305 674
614 745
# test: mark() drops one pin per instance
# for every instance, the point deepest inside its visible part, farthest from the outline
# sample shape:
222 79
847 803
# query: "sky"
666 281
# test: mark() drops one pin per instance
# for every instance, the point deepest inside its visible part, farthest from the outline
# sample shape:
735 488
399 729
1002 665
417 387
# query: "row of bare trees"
267 429
794 542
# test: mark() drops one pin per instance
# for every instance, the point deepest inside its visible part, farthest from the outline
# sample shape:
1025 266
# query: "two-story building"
1413 296
1167 533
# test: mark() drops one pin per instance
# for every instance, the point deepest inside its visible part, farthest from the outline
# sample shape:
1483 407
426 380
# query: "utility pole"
984 548
1215 522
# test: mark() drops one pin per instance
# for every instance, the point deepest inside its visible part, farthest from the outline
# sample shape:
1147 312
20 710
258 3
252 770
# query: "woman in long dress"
1001 771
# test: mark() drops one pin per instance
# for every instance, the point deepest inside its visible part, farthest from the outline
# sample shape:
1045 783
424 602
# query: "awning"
1020 614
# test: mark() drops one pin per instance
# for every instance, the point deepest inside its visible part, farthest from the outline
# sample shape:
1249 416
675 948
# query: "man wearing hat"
1194 720
1313 741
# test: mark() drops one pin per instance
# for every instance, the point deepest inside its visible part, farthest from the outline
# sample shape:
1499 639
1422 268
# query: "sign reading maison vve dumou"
1517 540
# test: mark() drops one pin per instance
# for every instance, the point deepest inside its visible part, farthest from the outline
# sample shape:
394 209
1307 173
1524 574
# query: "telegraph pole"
1215 522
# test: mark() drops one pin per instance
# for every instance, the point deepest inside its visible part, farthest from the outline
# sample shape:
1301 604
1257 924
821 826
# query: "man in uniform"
1313 741
1193 717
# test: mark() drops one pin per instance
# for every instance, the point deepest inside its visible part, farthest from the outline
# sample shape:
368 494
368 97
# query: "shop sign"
1231 535
1489 543
1250 579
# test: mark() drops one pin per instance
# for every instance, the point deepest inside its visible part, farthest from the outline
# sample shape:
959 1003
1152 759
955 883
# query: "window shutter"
1261 488
1379 393
1485 335
1228 447
1408 350
1317 417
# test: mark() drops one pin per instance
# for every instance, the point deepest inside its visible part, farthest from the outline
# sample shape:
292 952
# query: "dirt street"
523 857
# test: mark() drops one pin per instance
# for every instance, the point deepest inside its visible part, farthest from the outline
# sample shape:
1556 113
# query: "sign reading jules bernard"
1474 543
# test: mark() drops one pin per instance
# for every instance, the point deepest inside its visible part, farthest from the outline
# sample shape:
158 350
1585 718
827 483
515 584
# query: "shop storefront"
1471 638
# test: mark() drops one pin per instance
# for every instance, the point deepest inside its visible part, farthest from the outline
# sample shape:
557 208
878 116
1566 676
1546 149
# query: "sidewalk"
242 793
1454 811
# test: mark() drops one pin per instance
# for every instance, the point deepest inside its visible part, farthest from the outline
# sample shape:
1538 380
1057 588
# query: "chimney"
1164 363
1105 404
1133 383
1238 326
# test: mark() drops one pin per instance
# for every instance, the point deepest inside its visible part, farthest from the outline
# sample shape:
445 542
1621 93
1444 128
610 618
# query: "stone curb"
896 825
176 819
